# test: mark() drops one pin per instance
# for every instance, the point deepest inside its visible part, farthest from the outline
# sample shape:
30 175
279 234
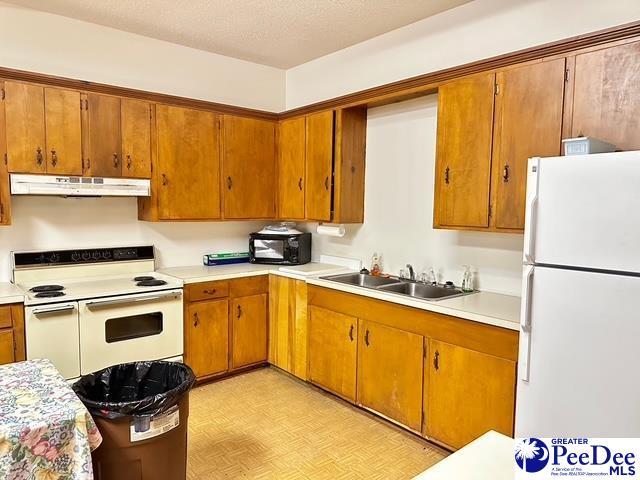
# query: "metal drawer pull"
446 175
39 156
505 174
54 158
210 291
366 338
122 301
300 184
326 183
51 310
129 162
196 319
351 333
239 311
436 360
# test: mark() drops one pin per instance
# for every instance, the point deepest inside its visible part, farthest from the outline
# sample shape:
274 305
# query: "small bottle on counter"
376 264
467 279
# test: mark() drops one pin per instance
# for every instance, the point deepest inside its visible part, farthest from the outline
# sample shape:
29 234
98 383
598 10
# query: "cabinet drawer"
5 317
207 290
246 286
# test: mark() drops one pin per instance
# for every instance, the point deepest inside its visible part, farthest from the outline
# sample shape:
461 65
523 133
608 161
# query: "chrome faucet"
412 274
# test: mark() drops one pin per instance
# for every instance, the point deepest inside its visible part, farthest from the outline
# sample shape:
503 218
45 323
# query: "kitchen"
398 201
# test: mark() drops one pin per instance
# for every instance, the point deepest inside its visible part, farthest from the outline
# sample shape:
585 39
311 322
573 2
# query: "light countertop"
489 457
9 293
484 307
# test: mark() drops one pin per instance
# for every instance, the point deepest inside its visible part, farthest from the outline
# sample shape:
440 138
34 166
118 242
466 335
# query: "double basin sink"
399 286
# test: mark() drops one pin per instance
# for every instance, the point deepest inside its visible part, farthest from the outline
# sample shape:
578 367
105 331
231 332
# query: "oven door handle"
128 300
54 309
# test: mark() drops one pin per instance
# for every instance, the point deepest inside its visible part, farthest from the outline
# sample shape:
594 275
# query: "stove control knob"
75 256
106 254
95 255
54 258
86 256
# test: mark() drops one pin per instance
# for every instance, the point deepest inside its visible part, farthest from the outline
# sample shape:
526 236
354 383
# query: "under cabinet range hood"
79 186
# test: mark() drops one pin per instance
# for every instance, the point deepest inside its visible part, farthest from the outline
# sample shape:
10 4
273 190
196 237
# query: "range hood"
79 186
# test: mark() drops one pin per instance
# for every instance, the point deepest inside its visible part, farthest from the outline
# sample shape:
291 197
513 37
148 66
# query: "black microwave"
280 249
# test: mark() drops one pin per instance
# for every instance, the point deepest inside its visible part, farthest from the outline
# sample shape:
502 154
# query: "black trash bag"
139 389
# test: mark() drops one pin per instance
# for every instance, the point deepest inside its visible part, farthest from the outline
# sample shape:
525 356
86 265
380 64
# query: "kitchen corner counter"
483 307
9 293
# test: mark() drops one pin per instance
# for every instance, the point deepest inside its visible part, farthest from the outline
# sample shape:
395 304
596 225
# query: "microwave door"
268 249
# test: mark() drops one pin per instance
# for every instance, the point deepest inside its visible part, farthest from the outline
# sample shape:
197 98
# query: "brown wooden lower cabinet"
332 351
12 341
207 337
390 373
226 325
466 394
249 330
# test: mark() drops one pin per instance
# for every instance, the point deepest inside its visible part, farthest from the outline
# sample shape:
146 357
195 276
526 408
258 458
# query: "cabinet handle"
116 162
129 162
39 156
86 164
505 173
326 183
239 312
229 183
366 338
436 360
300 184
351 333
446 175
54 158
164 180
210 291
196 319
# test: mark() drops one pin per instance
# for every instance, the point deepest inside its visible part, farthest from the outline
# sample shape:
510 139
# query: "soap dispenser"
376 264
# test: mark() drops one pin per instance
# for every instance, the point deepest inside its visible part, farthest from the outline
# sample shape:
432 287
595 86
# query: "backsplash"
54 222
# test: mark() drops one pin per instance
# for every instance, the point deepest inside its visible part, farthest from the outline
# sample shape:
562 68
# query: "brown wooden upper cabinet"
321 166
488 126
249 168
606 95
187 183
43 132
135 117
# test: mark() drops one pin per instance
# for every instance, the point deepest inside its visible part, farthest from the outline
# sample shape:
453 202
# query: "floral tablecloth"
46 433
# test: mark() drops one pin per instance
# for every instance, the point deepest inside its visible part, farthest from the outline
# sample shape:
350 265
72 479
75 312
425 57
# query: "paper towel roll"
331 230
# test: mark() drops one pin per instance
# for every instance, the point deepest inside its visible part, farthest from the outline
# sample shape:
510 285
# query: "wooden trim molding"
380 95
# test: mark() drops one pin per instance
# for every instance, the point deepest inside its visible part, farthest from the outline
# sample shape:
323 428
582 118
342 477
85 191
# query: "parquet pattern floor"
267 425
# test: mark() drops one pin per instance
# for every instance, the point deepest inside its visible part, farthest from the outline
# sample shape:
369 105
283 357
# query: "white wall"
473 31
56 45
52 222
399 208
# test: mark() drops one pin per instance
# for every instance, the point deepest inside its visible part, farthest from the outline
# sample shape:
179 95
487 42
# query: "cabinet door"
249 330
25 128
136 138
104 138
319 166
291 165
332 351
288 324
528 124
6 347
606 96
467 393
390 364
463 152
63 131
5 192
188 164
249 168
207 336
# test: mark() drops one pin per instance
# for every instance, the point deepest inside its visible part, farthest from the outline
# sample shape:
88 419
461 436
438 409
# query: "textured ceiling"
281 33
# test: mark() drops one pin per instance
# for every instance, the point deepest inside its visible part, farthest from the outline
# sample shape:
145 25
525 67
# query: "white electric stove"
87 309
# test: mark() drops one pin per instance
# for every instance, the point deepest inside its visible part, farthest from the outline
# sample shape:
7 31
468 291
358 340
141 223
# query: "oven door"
268 250
130 328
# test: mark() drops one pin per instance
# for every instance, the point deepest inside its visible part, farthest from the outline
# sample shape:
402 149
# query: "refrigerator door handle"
525 323
532 205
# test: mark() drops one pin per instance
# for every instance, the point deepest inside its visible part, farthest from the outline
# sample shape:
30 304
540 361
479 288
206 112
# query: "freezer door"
581 350
582 211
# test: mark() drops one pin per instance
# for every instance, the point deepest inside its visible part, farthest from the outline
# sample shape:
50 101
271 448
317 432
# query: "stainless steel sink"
421 290
361 280
396 285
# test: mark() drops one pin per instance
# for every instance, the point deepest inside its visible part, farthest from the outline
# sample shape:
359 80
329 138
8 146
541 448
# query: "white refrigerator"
579 361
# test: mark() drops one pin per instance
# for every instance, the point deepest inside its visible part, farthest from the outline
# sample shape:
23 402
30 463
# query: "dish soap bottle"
467 279
376 264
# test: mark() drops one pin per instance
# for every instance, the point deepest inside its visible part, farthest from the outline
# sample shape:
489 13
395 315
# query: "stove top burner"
50 294
154 282
47 288
143 278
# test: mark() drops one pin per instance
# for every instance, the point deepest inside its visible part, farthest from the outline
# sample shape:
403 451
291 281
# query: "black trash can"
141 409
